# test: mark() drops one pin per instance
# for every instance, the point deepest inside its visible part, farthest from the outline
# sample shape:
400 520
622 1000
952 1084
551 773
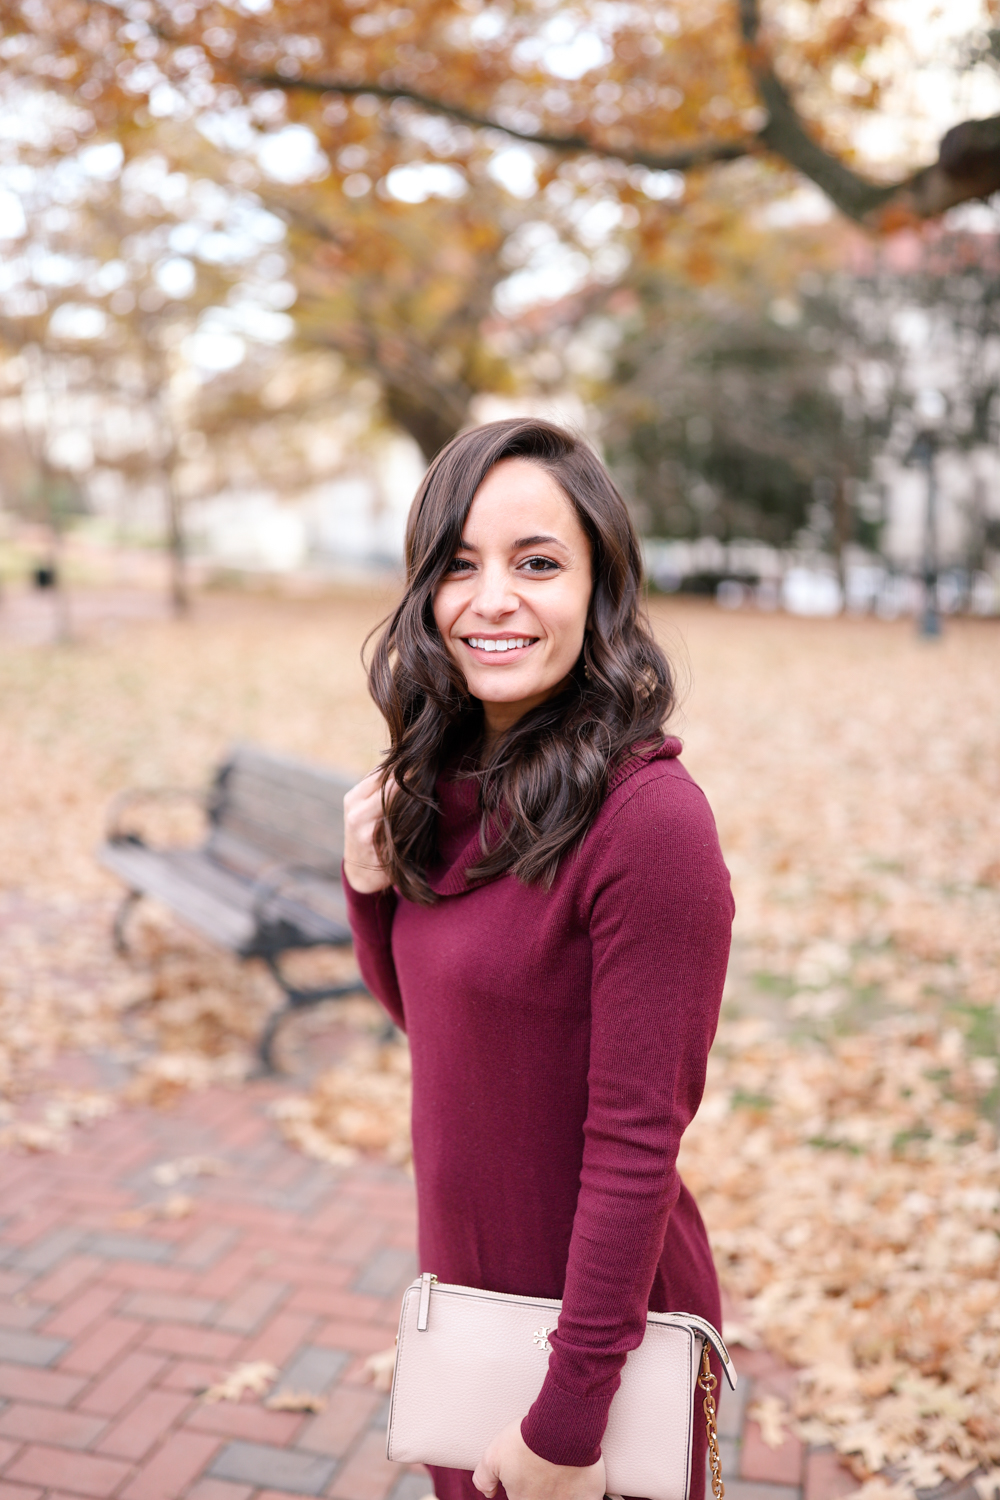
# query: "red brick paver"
115 1333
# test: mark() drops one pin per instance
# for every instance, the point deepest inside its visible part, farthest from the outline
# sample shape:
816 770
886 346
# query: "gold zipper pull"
426 1281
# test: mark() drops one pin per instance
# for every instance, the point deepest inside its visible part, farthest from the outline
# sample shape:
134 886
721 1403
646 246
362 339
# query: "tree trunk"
60 597
432 422
843 527
180 597
975 550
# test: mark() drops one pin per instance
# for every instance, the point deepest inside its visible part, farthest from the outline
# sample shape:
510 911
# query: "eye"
538 565
458 565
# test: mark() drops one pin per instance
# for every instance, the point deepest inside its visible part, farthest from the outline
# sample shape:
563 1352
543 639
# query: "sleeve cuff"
566 1429
370 913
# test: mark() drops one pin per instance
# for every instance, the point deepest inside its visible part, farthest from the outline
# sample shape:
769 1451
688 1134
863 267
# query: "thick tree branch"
786 135
968 165
700 155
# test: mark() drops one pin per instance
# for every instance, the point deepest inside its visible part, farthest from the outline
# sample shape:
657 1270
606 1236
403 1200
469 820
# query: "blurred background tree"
724 419
393 191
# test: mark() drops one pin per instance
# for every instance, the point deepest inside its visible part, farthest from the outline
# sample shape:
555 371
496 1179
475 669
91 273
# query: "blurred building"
353 521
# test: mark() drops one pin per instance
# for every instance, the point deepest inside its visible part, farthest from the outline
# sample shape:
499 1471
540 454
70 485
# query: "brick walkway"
110 1332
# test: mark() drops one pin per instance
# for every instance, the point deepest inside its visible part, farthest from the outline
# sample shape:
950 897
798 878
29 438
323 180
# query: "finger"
368 786
485 1478
359 803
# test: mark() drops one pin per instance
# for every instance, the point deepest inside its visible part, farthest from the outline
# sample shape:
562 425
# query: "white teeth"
489 643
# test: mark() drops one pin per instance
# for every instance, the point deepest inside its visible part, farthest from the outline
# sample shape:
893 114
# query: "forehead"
519 498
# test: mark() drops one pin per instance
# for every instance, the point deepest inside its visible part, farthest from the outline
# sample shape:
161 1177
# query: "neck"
499 717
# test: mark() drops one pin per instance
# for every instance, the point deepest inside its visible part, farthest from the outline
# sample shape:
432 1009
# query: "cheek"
443 616
446 608
568 619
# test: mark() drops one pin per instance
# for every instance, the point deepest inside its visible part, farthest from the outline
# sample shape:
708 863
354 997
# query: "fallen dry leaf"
988 1484
61 1111
363 1104
771 1415
177 1206
738 1335
254 1377
159 1080
379 1369
169 1172
296 1401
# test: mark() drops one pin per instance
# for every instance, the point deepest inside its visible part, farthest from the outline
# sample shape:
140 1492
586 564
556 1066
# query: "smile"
499 645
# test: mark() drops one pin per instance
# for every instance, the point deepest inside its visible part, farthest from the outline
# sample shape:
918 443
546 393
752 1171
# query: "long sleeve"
371 917
660 913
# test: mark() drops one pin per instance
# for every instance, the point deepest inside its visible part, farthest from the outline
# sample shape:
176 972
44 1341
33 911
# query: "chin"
490 694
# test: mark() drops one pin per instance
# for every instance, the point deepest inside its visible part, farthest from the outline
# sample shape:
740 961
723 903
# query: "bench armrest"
115 832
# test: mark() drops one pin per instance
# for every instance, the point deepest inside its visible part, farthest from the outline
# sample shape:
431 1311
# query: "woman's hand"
362 815
510 1462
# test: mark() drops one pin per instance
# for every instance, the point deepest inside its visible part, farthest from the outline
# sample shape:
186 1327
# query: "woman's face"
513 607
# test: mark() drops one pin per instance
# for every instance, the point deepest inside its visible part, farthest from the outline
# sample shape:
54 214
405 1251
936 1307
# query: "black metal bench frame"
271 907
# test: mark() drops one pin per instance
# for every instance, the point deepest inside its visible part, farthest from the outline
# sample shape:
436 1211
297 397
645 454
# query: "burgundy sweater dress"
559 1040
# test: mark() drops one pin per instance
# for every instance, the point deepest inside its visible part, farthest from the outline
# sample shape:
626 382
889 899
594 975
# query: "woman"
538 897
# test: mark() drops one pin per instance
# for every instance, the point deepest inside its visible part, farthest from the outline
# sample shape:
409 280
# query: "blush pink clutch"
470 1362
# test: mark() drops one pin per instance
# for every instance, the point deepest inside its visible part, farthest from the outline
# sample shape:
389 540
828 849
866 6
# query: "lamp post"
923 451
930 409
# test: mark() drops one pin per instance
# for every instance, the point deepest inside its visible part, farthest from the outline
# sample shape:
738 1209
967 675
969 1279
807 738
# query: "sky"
927 93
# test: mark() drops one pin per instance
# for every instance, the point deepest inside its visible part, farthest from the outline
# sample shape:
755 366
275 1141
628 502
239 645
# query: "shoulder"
655 829
654 785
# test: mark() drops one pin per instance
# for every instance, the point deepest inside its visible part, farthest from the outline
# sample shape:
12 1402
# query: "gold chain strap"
708 1382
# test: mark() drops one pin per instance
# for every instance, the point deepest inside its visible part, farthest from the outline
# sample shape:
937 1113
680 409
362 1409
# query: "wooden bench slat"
277 848
249 778
271 765
323 790
272 821
282 814
171 876
219 904
234 853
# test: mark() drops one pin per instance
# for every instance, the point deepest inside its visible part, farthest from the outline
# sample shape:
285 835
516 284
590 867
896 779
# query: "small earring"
586 672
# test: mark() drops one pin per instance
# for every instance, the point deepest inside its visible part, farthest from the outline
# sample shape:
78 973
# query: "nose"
494 597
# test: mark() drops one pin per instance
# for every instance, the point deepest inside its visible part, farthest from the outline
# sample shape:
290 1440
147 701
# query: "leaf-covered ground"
846 1154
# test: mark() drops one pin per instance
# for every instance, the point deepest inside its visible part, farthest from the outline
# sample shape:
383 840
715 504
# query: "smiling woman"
540 728
538 898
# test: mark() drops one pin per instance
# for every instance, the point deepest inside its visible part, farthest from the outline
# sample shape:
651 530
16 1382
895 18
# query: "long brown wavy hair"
542 783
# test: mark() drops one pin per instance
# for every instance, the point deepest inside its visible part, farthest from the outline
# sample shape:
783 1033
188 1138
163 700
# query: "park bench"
266 879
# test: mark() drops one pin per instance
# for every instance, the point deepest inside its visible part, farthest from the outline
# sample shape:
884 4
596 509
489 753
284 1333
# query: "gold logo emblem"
541 1338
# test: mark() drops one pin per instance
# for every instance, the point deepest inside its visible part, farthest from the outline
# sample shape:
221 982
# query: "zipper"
684 1320
469 1291
426 1282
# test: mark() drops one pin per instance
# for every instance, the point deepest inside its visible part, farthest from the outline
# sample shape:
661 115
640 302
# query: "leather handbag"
469 1362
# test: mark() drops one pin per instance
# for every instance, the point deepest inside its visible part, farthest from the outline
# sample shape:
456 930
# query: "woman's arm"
660 918
371 900
371 923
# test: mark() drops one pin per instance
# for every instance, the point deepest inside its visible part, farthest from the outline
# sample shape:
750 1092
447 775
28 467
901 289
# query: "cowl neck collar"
458 837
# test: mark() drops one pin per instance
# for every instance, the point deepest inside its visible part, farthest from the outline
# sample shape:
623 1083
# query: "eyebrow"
522 541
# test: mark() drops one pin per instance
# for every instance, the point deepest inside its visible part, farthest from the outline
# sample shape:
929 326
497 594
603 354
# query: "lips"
499 648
